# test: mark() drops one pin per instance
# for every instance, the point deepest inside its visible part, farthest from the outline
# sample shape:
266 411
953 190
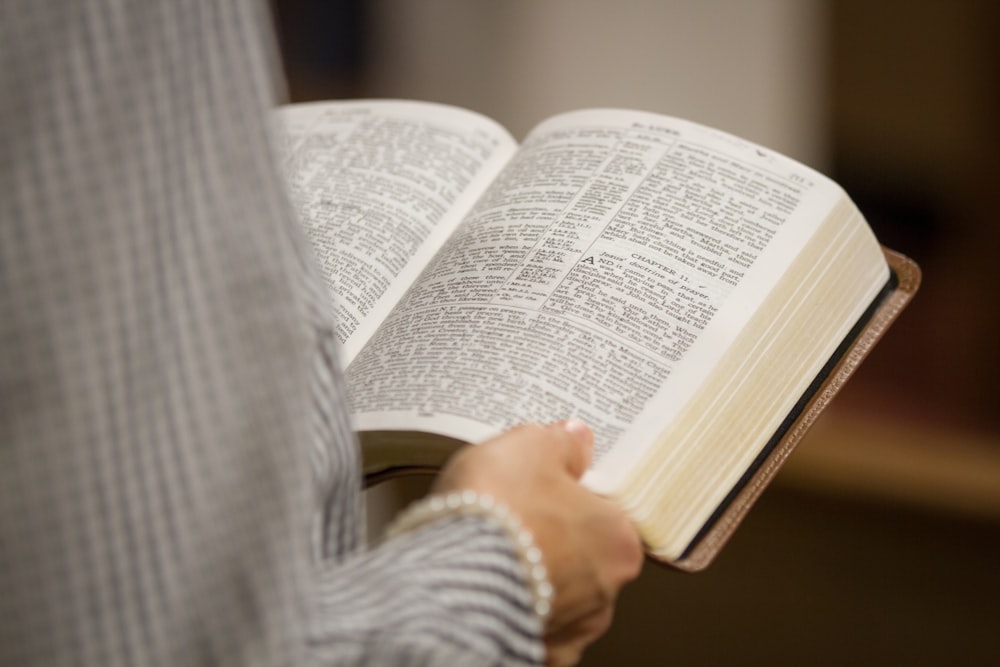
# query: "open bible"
695 298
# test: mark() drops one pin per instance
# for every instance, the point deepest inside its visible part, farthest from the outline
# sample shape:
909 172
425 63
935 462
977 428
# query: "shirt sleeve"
449 593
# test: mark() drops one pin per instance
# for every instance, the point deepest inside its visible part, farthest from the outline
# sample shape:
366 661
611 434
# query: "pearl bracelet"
470 503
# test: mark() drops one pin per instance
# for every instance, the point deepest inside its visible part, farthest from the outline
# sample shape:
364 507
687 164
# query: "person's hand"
591 549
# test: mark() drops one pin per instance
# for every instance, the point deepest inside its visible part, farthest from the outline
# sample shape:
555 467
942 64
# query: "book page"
379 186
615 252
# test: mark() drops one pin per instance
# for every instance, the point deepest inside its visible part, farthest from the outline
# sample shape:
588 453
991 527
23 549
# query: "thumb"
579 451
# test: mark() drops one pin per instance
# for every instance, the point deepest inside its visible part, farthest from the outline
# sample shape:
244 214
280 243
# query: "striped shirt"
178 481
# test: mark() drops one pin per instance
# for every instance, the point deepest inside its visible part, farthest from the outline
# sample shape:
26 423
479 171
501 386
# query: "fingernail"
578 428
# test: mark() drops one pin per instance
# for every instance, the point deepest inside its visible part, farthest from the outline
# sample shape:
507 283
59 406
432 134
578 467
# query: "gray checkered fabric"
178 482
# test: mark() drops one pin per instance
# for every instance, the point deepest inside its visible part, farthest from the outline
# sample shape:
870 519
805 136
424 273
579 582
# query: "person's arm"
450 593
454 590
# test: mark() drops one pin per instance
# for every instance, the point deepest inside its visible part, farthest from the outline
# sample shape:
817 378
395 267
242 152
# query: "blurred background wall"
880 541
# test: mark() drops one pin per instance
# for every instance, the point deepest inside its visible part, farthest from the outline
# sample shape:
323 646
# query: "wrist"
471 503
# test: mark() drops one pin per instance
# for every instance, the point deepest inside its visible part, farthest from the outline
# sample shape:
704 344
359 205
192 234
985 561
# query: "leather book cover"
903 285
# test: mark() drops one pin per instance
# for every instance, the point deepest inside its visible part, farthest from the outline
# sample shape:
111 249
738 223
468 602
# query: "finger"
567 646
563 655
579 450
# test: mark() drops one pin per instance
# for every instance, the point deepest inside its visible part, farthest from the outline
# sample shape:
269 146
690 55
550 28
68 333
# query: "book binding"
904 284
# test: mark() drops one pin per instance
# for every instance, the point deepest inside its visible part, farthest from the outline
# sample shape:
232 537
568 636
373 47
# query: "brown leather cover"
905 283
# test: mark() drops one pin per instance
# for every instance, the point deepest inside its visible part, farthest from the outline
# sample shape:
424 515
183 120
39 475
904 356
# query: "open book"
693 297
